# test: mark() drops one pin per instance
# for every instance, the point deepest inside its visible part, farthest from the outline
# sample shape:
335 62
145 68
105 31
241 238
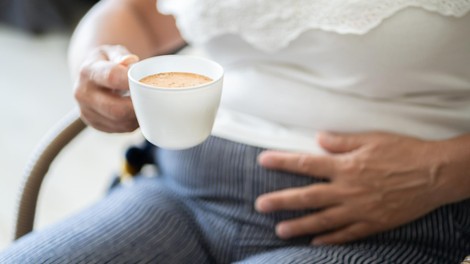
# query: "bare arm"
135 24
102 48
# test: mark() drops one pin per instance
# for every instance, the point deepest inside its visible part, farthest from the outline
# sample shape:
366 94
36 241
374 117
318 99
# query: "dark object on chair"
466 260
136 158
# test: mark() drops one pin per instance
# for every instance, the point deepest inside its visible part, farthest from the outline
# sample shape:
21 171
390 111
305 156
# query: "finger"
119 54
108 65
107 74
321 166
127 60
113 127
346 234
93 119
309 197
114 107
341 143
315 223
108 104
99 122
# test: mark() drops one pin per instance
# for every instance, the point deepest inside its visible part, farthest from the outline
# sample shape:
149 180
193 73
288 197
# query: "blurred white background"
36 92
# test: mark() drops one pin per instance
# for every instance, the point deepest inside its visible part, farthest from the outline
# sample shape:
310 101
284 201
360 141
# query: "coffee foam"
175 79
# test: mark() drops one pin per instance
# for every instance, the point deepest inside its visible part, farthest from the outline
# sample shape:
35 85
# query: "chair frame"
38 165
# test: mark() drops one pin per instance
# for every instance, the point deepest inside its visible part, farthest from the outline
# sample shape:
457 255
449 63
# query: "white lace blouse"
295 67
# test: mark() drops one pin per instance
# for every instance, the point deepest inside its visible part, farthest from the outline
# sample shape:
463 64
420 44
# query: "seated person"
343 136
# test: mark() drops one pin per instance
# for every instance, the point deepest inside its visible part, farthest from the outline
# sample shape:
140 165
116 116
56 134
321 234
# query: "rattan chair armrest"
38 165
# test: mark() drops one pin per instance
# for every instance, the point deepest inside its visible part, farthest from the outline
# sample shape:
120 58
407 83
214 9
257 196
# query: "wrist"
450 164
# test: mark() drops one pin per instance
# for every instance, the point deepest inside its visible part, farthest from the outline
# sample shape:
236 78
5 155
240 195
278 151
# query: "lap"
220 180
355 253
140 223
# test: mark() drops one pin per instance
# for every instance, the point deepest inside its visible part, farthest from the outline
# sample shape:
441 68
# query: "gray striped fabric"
200 210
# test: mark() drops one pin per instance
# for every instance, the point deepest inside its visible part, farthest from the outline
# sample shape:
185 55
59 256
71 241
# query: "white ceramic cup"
176 118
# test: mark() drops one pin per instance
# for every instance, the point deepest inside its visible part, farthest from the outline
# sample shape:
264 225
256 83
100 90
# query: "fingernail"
317 242
265 160
283 231
128 59
262 205
326 137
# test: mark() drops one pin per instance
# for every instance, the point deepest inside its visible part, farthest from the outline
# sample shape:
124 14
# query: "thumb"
339 143
119 54
128 59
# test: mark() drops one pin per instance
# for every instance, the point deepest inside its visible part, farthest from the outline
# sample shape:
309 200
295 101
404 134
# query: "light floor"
36 92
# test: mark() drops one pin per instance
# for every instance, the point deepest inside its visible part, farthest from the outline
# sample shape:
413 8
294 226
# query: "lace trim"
271 25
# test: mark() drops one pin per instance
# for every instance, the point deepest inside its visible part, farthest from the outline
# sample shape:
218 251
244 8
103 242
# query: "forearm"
135 24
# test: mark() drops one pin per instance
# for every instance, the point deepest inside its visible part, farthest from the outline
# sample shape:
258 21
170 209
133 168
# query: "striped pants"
199 209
